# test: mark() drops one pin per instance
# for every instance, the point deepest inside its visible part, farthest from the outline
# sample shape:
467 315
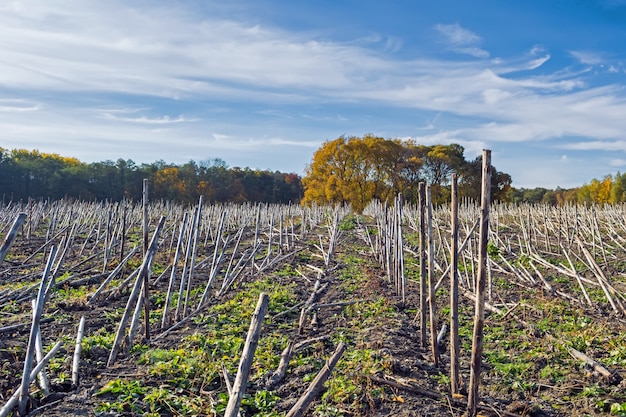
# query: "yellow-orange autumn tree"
356 170
608 190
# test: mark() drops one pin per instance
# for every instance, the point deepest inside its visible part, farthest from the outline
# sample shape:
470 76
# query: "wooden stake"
455 350
602 280
252 340
43 378
132 299
30 350
194 249
431 275
10 237
183 278
422 258
300 408
580 282
6 409
146 275
165 322
112 275
77 350
479 316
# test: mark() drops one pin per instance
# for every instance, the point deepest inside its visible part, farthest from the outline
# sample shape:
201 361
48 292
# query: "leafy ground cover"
386 370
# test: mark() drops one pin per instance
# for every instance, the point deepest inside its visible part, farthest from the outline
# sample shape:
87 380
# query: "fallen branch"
317 290
302 405
576 354
317 306
13 327
289 310
301 345
280 372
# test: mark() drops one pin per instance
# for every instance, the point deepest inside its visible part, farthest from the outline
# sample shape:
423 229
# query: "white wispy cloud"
588 57
595 145
149 120
462 40
536 63
18 105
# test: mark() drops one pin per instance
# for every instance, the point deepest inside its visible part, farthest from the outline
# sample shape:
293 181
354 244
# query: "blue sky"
263 83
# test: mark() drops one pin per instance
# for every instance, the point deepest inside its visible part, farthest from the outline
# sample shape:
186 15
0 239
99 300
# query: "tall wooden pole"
146 241
479 316
146 276
422 252
432 304
454 291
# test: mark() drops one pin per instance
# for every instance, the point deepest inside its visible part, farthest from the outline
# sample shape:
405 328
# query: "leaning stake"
30 350
132 298
8 240
252 340
479 316
6 409
300 408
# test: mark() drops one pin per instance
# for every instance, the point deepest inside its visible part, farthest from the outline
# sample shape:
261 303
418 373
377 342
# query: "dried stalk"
252 340
28 361
10 404
132 299
77 350
302 405
431 285
10 237
455 344
479 317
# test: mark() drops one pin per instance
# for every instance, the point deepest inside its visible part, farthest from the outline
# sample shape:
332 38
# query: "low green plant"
592 391
327 410
442 379
100 338
127 393
618 409
492 250
261 404
348 223
554 373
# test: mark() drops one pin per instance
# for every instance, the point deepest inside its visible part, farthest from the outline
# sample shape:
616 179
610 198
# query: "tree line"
609 190
347 170
28 174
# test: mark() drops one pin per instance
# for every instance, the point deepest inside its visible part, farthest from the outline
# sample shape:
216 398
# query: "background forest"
351 170
31 174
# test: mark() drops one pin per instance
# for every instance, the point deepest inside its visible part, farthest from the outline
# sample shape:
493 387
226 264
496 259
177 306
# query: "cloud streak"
462 40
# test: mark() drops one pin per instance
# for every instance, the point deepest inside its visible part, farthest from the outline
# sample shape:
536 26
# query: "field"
554 339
